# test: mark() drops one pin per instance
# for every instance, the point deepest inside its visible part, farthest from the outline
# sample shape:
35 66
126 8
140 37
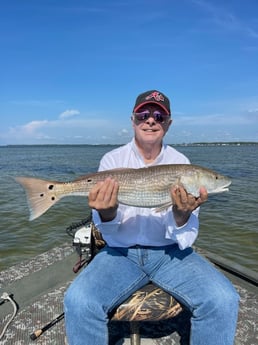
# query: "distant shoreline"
233 143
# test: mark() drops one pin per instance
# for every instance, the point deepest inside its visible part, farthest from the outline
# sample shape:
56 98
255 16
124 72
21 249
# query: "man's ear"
133 124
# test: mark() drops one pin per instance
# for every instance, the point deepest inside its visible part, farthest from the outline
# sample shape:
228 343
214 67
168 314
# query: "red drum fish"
145 187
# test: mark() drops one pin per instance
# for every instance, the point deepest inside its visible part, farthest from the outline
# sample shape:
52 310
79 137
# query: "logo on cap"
156 95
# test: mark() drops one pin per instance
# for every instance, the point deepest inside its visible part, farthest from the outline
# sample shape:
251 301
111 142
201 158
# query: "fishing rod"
81 232
38 332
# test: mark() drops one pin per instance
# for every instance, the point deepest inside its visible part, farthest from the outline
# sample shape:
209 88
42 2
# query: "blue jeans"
115 273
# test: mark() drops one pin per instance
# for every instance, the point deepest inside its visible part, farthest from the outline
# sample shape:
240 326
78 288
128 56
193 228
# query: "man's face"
150 124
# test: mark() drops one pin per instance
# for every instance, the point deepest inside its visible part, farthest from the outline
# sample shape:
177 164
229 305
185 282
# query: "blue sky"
70 70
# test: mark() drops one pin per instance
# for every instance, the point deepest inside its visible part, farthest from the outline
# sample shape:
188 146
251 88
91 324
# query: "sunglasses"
157 115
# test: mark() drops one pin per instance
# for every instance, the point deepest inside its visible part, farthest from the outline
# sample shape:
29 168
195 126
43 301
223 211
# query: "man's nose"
151 121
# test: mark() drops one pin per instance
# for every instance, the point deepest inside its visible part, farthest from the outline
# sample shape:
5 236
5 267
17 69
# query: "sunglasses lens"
144 115
158 117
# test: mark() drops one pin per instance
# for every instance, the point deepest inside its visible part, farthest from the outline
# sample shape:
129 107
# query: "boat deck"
38 286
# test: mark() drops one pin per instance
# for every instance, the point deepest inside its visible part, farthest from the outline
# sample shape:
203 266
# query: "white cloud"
30 132
69 113
124 133
33 126
253 110
60 130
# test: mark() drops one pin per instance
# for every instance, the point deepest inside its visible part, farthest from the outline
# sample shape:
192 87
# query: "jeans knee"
79 301
70 301
223 301
229 298
232 300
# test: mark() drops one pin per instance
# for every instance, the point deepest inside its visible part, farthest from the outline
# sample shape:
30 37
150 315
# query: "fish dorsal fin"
121 169
104 172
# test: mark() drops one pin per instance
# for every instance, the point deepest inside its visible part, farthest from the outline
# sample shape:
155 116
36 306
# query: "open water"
229 221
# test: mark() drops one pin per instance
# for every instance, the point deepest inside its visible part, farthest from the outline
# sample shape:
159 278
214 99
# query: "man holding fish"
149 244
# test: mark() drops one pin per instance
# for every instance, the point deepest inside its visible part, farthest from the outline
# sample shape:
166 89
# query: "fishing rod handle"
36 334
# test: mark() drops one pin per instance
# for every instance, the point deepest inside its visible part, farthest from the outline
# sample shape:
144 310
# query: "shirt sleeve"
184 235
106 227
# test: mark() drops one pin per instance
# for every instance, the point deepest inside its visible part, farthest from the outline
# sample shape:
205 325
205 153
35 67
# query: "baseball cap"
152 96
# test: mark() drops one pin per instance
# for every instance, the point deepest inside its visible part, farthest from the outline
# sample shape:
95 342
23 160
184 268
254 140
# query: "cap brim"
148 102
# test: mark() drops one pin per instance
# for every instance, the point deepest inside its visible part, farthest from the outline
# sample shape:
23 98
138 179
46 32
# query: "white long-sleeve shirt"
144 226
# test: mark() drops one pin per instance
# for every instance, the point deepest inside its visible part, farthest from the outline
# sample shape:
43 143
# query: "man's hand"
184 203
103 198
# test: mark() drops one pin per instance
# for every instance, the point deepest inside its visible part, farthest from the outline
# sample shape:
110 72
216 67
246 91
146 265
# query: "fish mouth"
222 189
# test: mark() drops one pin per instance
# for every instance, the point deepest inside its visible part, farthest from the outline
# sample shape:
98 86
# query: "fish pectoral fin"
164 207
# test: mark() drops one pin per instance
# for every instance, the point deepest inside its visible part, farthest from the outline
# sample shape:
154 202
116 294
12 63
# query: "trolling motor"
82 241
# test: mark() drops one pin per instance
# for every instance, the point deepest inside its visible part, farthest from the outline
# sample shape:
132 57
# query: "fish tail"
41 194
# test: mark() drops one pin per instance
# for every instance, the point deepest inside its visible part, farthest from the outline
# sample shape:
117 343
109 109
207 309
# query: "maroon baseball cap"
150 97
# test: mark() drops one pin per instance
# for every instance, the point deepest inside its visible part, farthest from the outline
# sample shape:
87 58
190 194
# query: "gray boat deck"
38 286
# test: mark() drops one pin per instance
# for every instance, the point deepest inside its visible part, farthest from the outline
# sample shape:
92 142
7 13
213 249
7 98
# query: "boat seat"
150 303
